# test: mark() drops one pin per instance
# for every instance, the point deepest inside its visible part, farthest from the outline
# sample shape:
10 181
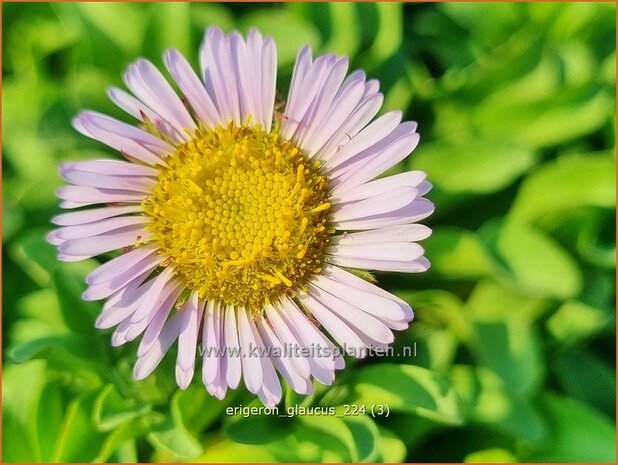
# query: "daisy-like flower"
240 229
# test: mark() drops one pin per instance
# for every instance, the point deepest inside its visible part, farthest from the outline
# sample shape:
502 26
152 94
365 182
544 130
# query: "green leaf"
198 409
575 321
493 300
222 450
112 410
577 19
24 101
578 433
345 34
78 314
257 429
399 95
69 353
49 419
575 369
37 309
392 449
21 448
120 442
203 14
311 439
172 24
408 388
504 341
487 22
473 165
489 402
292 398
510 349
35 256
495 455
289 31
20 400
579 111
327 439
156 389
570 182
456 253
366 437
172 436
538 264
121 23
12 219
412 430
29 350
437 347
593 243
79 440
72 345
389 34
126 452
440 309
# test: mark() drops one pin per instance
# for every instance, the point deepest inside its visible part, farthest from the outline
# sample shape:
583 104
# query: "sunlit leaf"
567 183
473 165
72 344
12 219
173 437
345 34
458 254
575 321
511 350
289 31
538 264
504 340
120 442
389 33
35 256
203 14
366 437
392 449
172 23
487 23
20 400
111 409
79 315
328 437
408 388
121 23
221 449
491 456
493 300
41 306
579 111
489 402
440 309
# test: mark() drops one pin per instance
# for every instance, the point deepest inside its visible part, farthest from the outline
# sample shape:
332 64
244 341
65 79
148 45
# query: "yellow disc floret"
241 214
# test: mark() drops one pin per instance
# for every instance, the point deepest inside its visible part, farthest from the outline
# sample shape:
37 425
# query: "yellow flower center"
241 214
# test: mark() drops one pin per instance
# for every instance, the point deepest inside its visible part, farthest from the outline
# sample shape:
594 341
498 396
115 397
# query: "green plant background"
515 322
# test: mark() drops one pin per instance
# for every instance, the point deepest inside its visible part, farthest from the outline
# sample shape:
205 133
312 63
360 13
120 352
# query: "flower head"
240 230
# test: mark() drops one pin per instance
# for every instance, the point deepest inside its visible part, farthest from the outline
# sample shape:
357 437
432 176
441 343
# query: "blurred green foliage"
515 325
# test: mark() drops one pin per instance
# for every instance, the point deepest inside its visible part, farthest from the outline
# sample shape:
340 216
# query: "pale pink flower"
240 227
